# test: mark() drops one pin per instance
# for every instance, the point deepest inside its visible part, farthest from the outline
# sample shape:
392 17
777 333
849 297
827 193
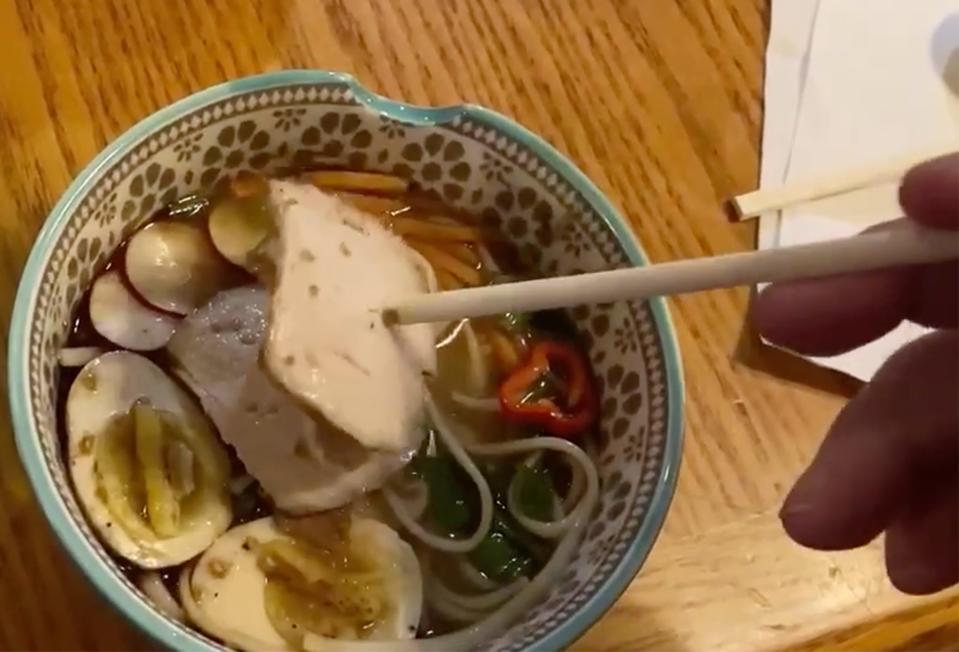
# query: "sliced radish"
118 316
238 226
77 356
174 266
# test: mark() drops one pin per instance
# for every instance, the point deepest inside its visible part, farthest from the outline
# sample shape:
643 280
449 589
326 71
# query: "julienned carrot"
447 281
374 204
460 250
465 253
442 260
421 228
363 182
504 349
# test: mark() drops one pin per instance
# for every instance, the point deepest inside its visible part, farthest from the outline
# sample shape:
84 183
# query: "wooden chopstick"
907 244
759 201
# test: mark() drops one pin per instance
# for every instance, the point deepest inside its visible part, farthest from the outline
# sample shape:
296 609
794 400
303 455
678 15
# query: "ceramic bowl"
474 159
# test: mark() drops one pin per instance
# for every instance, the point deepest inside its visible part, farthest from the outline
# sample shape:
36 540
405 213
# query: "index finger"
831 315
930 192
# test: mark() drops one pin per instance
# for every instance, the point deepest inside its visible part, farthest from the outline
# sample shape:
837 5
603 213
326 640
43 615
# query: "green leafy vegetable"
534 492
508 551
517 322
506 525
448 504
499 477
500 559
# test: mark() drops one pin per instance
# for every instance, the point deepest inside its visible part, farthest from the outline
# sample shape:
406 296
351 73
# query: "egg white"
108 387
231 605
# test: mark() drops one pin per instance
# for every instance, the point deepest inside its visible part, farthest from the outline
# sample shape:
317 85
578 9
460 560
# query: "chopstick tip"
391 317
732 211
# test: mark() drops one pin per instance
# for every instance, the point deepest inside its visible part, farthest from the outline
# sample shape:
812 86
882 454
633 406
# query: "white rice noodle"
427 270
559 509
486 259
488 404
157 592
466 608
474 577
413 494
454 329
482 602
576 485
478 365
451 611
78 356
543 529
452 443
516 607
432 285
438 602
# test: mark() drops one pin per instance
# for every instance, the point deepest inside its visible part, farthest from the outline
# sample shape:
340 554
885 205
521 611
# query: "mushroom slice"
174 266
238 225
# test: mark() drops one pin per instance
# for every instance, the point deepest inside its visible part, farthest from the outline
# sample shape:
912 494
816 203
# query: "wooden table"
659 101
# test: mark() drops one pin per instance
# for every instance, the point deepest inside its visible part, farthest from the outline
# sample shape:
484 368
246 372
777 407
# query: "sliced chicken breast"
336 268
303 462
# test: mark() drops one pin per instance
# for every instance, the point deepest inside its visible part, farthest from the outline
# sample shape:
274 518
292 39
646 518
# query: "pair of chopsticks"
752 204
908 244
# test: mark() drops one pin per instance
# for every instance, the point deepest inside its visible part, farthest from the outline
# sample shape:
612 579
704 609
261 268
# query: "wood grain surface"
659 101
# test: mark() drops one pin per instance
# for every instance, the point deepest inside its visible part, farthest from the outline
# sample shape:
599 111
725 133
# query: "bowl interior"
474 160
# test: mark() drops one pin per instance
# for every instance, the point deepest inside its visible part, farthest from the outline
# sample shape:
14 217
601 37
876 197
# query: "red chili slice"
579 410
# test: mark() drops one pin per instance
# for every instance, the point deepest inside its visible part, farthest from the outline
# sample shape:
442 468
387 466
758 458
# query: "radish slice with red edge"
174 267
118 316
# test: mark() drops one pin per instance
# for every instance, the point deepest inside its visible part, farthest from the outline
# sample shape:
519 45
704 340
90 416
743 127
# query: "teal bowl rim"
27 439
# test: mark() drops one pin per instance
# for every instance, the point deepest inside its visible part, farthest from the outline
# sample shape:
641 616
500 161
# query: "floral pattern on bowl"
474 160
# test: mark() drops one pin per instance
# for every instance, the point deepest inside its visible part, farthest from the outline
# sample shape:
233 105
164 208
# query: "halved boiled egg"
271 585
148 469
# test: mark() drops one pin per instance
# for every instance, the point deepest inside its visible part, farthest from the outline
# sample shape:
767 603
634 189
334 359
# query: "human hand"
890 462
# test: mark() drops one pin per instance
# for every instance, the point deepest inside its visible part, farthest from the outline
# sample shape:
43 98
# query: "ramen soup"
275 466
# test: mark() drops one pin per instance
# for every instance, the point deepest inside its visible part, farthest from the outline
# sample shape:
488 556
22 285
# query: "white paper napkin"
790 33
881 81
